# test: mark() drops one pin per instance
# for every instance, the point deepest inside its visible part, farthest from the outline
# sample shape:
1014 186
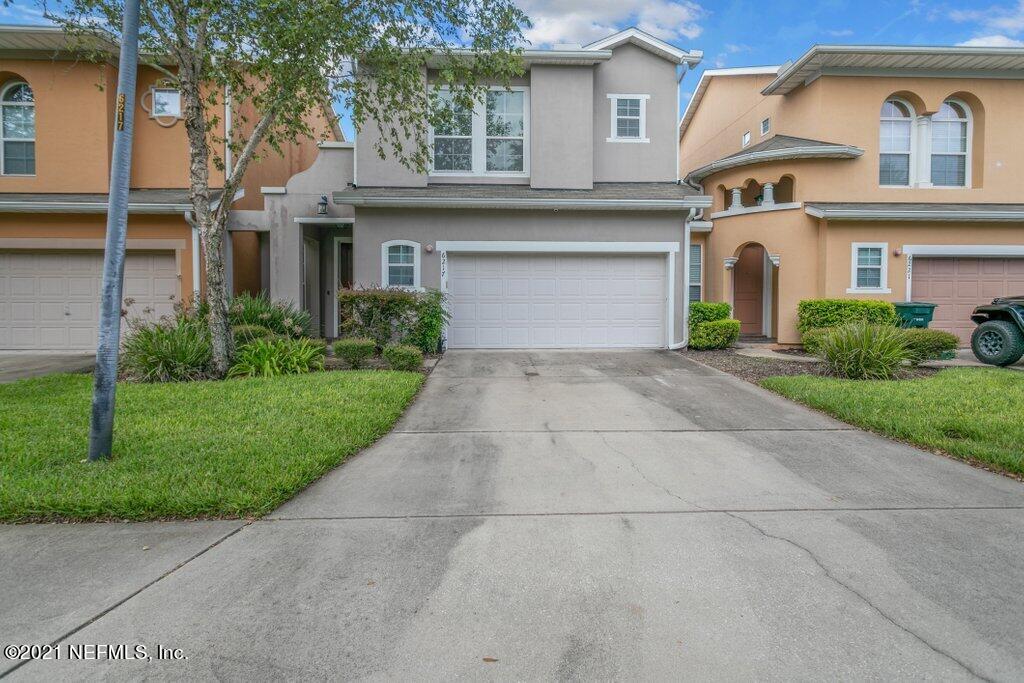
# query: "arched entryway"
753 291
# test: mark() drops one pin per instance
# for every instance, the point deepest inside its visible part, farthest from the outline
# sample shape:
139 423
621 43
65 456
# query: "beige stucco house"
892 173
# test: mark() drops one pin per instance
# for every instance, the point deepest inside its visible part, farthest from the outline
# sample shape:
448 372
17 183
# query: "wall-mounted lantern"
321 206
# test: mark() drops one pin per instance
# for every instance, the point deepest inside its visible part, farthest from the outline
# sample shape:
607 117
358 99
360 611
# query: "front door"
748 292
311 282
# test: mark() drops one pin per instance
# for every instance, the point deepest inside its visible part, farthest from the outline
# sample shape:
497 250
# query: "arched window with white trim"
895 143
950 152
400 264
17 129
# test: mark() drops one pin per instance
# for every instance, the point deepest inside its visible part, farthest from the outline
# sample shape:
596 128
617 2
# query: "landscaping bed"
755 370
233 448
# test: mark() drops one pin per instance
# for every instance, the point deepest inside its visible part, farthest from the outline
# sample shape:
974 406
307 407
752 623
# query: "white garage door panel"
552 301
50 300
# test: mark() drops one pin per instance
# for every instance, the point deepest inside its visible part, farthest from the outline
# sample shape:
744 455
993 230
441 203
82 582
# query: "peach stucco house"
57 124
893 173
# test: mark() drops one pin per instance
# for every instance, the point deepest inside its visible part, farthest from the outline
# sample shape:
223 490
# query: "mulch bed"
754 370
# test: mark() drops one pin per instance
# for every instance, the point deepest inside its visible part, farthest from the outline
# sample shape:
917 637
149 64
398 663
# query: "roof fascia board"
697 201
646 41
89 207
913 215
810 152
919 73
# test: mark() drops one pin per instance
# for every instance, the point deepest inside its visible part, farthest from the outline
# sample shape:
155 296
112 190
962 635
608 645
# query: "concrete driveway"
594 515
15 365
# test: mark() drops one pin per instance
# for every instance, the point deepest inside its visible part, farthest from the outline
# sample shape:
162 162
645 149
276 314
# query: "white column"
737 198
768 195
922 150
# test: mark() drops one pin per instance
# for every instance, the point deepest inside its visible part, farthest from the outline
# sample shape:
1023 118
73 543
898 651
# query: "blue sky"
747 33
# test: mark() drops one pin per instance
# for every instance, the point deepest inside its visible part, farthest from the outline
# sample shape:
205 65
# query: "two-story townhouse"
553 214
57 116
893 173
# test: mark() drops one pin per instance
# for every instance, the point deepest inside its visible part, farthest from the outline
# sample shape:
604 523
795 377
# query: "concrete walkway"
15 365
563 515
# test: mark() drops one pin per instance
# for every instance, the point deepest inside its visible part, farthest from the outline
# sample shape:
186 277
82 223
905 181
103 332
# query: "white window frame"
480 136
700 267
152 103
766 126
385 271
3 139
745 139
883 279
968 153
912 155
613 135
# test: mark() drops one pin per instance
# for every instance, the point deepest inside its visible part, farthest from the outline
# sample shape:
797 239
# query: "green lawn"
971 413
196 449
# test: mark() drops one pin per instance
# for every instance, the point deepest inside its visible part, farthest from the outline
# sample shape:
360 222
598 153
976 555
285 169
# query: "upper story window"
629 118
18 126
766 126
492 138
895 143
400 264
745 139
944 139
949 145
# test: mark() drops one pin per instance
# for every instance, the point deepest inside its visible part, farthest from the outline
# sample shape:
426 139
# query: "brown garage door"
957 285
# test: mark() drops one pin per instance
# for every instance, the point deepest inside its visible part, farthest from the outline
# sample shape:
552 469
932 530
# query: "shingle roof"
170 200
928 211
776 148
783 142
613 195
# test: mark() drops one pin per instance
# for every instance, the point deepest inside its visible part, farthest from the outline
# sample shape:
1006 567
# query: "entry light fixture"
321 206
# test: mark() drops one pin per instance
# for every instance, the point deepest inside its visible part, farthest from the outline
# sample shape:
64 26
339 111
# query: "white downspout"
679 92
686 282
227 132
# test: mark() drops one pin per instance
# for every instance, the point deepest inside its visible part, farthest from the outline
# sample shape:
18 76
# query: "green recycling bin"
915 313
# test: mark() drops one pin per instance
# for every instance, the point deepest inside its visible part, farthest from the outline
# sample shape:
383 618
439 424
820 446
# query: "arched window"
18 129
950 144
400 264
895 143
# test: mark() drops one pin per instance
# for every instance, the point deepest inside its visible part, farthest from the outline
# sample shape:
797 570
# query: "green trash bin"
915 313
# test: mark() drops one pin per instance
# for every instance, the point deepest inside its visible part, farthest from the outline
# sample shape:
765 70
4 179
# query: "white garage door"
557 301
49 301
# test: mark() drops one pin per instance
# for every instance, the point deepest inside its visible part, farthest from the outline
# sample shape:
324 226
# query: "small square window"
629 113
746 138
166 103
766 126
869 268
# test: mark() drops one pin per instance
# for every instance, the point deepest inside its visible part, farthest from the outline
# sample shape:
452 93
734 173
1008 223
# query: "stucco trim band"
980 215
695 202
815 152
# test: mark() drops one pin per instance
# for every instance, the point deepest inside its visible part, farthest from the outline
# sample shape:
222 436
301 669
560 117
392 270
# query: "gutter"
914 215
809 152
88 207
525 203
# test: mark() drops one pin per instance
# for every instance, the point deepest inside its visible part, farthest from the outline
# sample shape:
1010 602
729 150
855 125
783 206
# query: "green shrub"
279 317
273 357
247 333
393 316
708 311
171 350
811 340
714 334
825 313
403 357
355 351
860 350
924 344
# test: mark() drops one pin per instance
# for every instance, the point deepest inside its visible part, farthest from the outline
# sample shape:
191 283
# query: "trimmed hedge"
924 344
812 339
403 357
355 351
715 334
707 311
394 316
824 313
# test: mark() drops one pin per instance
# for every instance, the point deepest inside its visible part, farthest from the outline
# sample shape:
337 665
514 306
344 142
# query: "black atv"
999 337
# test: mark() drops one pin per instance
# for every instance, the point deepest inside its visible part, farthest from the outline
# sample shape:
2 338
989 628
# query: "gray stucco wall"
371 170
561 127
373 227
634 71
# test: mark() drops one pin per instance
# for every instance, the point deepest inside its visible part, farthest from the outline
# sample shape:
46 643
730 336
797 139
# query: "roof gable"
646 41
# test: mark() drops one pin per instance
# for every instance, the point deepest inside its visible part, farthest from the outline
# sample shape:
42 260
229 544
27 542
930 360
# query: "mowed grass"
971 413
198 449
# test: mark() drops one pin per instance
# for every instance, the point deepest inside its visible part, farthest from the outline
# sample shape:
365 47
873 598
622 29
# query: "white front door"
49 300
525 300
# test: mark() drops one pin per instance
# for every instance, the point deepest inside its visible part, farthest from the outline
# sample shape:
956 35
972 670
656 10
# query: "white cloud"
839 33
584 21
732 48
999 19
992 41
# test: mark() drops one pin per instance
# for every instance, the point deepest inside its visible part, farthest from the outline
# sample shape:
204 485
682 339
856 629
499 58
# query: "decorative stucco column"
768 195
737 198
